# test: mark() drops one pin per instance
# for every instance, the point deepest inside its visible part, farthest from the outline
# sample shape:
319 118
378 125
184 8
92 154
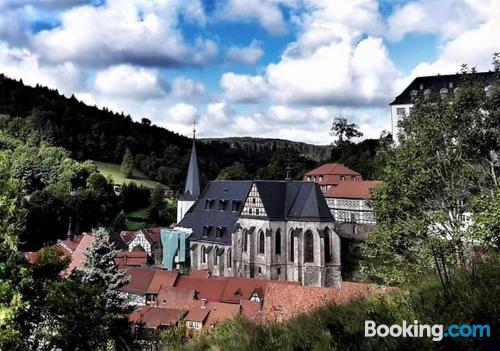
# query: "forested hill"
314 152
99 134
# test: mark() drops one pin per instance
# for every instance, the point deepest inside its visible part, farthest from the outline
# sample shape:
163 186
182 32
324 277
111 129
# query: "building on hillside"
330 175
147 240
349 203
431 85
279 230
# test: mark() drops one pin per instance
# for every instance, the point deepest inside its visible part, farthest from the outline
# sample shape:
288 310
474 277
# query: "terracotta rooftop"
71 244
78 258
154 317
238 289
361 189
200 273
144 280
332 168
175 297
198 314
210 289
212 312
131 258
162 278
283 302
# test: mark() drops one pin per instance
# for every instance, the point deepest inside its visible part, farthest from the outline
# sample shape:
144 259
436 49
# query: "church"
279 230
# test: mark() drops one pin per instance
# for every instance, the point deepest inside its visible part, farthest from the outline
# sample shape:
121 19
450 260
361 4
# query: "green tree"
157 205
344 131
120 222
442 161
127 166
236 171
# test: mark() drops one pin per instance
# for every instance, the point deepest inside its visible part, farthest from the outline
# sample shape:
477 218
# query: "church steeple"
192 188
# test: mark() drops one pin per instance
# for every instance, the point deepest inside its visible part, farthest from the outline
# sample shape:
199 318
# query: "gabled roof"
293 200
438 82
210 289
198 216
154 317
332 168
353 190
192 188
152 235
162 278
144 280
78 257
177 297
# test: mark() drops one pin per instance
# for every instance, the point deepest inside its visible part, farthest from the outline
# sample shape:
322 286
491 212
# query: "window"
320 178
421 87
245 241
253 200
216 257
308 247
278 271
235 206
250 211
342 178
450 85
219 231
262 241
257 211
278 242
292 246
207 204
206 230
229 259
260 270
222 204
400 111
194 325
353 178
308 178
328 254
203 254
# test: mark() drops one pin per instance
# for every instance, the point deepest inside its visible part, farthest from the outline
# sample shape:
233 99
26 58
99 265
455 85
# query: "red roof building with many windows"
330 175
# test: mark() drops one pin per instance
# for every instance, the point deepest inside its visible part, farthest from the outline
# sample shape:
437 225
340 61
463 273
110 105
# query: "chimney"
288 173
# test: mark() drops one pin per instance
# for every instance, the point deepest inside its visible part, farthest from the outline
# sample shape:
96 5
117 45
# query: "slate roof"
197 217
436 83
282 200
192 188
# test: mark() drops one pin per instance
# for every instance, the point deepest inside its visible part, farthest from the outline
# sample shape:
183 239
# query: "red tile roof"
127 236
198 313
332 168
238 289
71 244
212 312
283 302
210 289
131 258
353 190
162 278
251 310
175 297
78 258
32 256
154 317
200 273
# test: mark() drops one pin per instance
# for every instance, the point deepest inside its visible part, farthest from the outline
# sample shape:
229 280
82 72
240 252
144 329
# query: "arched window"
203 255
245 240
229 258
216 261
262 242
308 247
328 252
292 246
278 242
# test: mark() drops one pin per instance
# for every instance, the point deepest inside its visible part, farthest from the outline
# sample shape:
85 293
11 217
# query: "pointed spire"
192 189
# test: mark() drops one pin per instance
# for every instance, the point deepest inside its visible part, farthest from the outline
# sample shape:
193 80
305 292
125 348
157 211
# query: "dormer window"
427 92
487 90
206 230
222 204
421 87
219 231
320 178
235 205
414 92
342 178
450 85
353 178
443 91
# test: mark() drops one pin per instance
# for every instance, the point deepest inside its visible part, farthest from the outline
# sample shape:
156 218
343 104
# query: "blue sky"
269 68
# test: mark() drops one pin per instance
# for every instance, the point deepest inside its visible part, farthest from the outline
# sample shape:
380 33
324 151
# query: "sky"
263 68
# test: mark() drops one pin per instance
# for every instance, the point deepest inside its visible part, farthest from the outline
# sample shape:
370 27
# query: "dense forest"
90 133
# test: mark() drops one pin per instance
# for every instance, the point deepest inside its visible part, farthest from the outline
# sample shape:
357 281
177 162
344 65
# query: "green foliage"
283 159
443 160
120 222
236 171
127 166
486 220
344 131
472 300
161 210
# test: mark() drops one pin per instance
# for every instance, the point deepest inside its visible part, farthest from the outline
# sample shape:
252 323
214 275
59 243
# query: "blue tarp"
174 243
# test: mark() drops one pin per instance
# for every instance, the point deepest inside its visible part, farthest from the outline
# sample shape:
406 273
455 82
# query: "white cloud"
23 64
243 88
136 32
128 81
182 113
185 88
249 55
267 13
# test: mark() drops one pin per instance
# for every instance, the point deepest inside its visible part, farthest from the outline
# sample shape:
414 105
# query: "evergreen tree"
120 222
101 269
127 167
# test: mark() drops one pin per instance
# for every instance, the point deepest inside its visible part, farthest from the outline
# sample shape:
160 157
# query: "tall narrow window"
216 258
278 242
245 241
292 246
203 255
328 253
261 242
308 247
229 258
